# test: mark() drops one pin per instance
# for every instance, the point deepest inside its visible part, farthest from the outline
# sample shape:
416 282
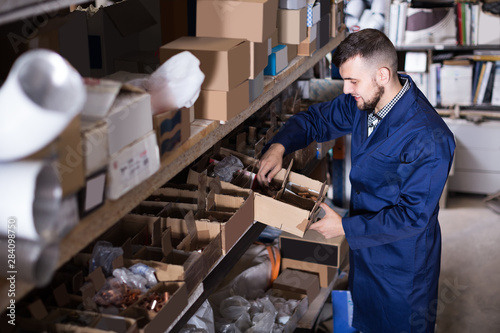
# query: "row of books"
463 23
461 82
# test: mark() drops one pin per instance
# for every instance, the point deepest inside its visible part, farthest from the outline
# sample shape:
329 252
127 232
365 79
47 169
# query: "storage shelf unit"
96 223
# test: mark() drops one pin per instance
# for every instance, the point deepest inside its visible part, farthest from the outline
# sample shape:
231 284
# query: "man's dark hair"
370 44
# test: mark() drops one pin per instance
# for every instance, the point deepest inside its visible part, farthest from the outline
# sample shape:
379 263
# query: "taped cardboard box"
222 105
314 248
132 165
224 61
292 26
254 20
172 129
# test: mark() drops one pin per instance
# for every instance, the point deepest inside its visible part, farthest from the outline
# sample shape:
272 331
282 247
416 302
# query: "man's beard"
370 105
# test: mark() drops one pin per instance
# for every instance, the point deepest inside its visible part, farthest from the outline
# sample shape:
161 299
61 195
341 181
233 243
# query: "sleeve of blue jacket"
322 122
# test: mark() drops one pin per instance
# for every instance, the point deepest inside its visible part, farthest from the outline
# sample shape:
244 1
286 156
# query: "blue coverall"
398 174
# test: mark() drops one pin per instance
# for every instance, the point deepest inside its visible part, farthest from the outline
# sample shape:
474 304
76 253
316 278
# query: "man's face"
360 82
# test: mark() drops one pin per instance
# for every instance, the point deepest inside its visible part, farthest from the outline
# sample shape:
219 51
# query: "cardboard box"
128 119
125 108
314 248
337 12
232 224
325 6
224 61
258 58
326 273
67 36
222 105
287 210
114 31
308 45
299 282
172 265
324 28
69 320
292 4
277 61
132 165
197 235
172 129
95 146
66 155
254 20
293 51
273 41
256 87
160 321
137 62
292 28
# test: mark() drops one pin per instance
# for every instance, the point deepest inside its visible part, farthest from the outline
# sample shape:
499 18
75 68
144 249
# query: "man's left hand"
330 225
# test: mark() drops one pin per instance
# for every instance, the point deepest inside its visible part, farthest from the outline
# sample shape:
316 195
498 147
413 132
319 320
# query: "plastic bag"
145 271
226 168
115 293
176 83
134 281
103 255
202 321
233 307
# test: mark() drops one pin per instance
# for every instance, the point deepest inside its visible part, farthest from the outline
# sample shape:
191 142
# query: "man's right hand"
270 163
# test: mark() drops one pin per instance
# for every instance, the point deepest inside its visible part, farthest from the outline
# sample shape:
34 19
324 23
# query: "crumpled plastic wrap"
202 321
262 315
226 168
176 83
103 255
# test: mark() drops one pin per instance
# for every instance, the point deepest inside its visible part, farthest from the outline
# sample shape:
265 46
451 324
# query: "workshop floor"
469 291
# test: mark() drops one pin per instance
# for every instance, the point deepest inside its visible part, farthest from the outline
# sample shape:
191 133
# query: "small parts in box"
117 294
154 301
76 318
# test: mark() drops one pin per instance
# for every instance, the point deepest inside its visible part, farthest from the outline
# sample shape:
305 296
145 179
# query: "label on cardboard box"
132 165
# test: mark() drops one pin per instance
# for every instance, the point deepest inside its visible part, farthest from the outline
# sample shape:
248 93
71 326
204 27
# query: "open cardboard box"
69 320
314 248
297 281
201 236
285 210
161 320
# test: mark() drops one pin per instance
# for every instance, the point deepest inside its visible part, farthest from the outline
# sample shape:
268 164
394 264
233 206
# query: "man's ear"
383 75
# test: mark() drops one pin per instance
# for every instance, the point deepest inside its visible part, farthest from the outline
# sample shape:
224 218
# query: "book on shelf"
489 85
488 24
456 88
483 81
495 90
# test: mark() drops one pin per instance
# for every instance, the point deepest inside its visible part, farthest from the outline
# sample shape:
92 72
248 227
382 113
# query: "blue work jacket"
397 176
